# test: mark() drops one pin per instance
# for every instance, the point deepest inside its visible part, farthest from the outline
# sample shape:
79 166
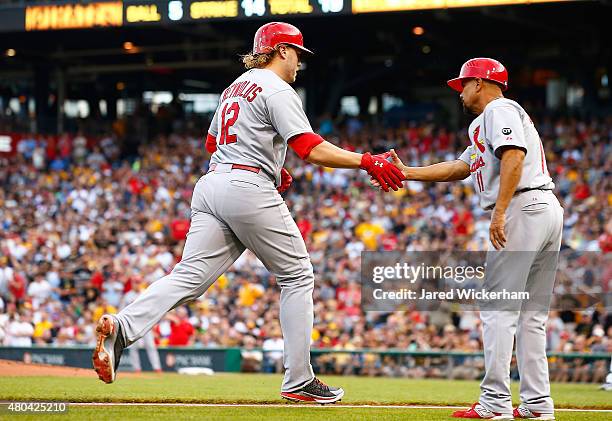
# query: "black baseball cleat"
109 347
315 391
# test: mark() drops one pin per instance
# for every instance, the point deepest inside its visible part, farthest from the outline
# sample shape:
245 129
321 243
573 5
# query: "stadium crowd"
82 226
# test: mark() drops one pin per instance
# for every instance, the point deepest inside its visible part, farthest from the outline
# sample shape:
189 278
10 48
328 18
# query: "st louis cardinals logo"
477 163
479 143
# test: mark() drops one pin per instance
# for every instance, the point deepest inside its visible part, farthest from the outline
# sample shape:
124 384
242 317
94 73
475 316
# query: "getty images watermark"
461 280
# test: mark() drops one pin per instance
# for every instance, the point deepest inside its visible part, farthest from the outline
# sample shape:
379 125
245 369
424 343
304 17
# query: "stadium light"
130 48
418 31
426 49
10 52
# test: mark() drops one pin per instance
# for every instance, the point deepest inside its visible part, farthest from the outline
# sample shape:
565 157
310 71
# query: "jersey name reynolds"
244 89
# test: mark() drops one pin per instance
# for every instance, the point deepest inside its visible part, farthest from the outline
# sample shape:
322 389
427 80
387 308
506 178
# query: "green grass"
262 389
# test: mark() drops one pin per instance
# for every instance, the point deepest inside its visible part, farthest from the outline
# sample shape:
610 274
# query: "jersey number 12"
229 115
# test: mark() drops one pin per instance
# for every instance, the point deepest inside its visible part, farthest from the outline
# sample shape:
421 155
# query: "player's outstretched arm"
329 155
442 171
385 173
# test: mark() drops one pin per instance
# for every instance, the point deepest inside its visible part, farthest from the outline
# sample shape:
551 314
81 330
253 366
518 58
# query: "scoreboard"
115 13
149 12
196 10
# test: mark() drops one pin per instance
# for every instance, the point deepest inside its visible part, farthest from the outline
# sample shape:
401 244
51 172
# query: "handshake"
384 174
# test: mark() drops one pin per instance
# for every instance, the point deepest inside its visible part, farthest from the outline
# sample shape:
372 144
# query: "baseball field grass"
173 396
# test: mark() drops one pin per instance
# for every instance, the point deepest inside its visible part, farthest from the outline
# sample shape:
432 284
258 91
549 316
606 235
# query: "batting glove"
286 181
387 174
211 144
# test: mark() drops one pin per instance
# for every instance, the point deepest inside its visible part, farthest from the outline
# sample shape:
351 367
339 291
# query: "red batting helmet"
484 68
274 33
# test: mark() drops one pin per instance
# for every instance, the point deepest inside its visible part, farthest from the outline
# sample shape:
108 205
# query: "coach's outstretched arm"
314 149
442 171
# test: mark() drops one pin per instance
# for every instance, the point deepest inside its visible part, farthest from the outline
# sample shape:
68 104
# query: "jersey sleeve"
304 143
505 128
287 115
214 124
465 156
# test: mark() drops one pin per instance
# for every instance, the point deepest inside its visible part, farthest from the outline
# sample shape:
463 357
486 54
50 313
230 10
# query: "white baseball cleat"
479 412
521 412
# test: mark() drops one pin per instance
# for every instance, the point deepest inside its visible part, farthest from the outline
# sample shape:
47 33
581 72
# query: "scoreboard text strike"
141 12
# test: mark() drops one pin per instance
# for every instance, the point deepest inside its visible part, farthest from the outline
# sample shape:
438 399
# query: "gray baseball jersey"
257 114
504 123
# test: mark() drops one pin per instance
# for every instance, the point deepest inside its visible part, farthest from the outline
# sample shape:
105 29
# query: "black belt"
530 189
521 191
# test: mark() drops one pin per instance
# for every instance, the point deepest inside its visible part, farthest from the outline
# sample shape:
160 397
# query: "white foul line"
249 405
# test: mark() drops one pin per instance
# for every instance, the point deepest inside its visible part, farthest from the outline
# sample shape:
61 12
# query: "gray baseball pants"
232 210
534 223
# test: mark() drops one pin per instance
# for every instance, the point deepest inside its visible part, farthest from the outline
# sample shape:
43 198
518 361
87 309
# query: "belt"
530 189
256 170
516 193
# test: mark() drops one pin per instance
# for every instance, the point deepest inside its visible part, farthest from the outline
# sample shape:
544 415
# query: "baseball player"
507 164
236 205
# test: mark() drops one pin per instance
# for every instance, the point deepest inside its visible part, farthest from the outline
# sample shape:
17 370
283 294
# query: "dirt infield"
20 369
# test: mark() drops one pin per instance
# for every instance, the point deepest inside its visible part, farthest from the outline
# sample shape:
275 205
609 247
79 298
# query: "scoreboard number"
254 7
175 10
331 6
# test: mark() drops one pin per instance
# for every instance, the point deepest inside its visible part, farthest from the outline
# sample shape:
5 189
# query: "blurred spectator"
39 290
249 293
19 331
273 351
181 330
251 357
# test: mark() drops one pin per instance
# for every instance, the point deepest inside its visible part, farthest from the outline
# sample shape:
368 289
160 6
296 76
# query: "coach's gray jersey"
504 123
257 114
